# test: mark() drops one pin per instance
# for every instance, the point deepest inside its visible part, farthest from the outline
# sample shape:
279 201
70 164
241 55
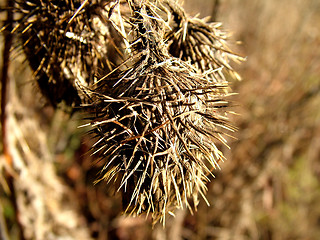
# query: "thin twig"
215 10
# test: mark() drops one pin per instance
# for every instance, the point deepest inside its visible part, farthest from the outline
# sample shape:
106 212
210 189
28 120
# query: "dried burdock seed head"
157 119
156 132
65 43
202 44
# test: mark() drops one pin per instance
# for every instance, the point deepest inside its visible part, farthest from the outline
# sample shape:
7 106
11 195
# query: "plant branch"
4 76
215 10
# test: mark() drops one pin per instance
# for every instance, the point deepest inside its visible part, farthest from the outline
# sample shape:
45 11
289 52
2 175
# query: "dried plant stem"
4 77
4 98
215 10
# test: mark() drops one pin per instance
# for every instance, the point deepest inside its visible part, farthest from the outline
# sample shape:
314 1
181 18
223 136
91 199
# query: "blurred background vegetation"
269 187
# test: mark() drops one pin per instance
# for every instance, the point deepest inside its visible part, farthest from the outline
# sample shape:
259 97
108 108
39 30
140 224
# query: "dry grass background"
269 187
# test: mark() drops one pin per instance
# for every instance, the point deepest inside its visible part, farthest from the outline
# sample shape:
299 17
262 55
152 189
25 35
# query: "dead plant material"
152 81
65 43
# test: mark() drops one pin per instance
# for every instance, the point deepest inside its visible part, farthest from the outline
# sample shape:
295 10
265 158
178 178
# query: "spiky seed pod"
65 43
200 43
157 136
157 121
